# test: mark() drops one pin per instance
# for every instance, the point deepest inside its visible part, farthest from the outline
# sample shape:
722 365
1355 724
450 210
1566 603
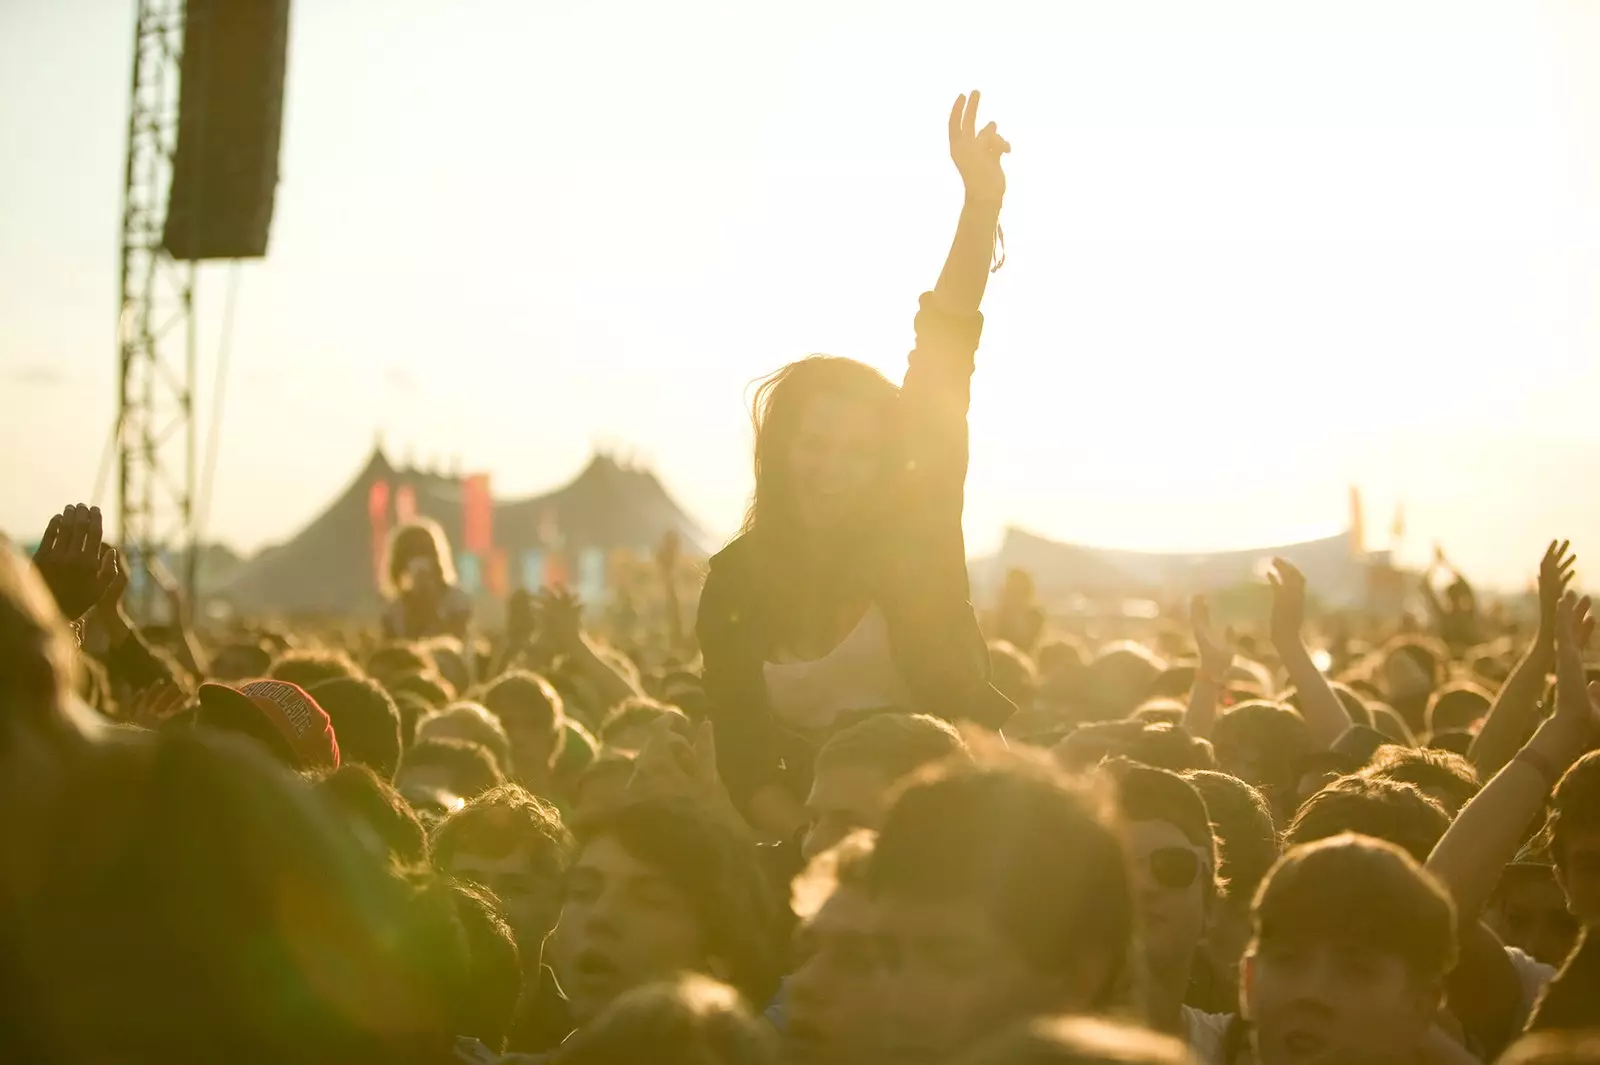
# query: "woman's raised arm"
976 153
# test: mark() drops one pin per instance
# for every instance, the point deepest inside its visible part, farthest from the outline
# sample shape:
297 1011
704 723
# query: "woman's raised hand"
976 152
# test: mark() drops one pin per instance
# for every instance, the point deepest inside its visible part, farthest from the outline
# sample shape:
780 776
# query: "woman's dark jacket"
917 578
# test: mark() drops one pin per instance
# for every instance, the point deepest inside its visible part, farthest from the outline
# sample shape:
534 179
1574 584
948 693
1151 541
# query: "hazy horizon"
1256 253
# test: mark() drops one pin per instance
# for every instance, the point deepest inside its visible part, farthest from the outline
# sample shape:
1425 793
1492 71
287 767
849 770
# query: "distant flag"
469 573
592 575
497 577
477 515
378 516
1358 524
556 574
532 570
1397 529
405 504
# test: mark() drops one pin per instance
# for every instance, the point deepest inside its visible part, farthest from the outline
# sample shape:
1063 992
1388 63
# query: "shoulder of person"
734 557
1532 974
1205 1034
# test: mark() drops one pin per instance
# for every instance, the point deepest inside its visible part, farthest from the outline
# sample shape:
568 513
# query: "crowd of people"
843 818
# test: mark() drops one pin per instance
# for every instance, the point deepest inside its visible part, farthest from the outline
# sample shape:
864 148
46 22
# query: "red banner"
378 516
477 515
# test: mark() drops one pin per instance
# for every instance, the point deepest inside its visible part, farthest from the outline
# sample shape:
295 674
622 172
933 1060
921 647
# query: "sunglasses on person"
1173 867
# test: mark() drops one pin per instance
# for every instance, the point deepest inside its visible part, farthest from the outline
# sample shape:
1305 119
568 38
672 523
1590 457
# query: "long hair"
421 538
772 522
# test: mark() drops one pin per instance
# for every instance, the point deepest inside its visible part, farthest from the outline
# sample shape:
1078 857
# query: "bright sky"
1257 252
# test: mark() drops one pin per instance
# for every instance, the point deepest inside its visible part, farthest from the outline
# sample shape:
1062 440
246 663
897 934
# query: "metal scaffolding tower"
156 324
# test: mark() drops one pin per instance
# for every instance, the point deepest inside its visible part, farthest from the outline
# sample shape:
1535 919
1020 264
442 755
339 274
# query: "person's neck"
1164 999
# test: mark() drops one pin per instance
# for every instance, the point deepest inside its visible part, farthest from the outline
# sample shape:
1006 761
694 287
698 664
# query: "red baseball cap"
293 714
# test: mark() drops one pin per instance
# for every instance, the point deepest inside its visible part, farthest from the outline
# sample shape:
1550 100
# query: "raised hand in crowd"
977 151
561 636
152 706
1325 715
76 564
1211 676
1514 714
1488 832
672 768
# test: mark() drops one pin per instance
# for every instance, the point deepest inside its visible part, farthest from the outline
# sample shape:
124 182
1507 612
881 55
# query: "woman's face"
835 460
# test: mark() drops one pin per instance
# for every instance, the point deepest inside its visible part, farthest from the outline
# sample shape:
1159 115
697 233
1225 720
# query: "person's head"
281 717
438 777
1461 705
532 714
859 765
687 1019
1170 746
1116 681
471 722
1077 1041
821 447
1448 779
1262 743
1574 834
419 561
240 661
1002 892
366 721
1411 668
431 688
1382 809
633 721
458 938
308 667
1062 663
1247 846
1174 857
1528 911
659 889
392 661
1319 769
831 997
450 659
209 903
1353 940
376 812
492 988
514 845
1013 673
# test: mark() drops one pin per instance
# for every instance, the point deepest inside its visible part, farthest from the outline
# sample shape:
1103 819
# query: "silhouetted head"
419 560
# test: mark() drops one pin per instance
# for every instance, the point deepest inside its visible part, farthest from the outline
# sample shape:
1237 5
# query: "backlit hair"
772 522
421 538
1358 891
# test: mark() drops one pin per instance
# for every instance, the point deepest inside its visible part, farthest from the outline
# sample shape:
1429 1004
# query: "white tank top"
858 674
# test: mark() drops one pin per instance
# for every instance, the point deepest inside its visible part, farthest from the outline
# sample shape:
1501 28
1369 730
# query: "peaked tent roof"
328 567
608 506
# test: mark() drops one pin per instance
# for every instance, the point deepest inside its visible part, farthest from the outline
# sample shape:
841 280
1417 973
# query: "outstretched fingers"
969 120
